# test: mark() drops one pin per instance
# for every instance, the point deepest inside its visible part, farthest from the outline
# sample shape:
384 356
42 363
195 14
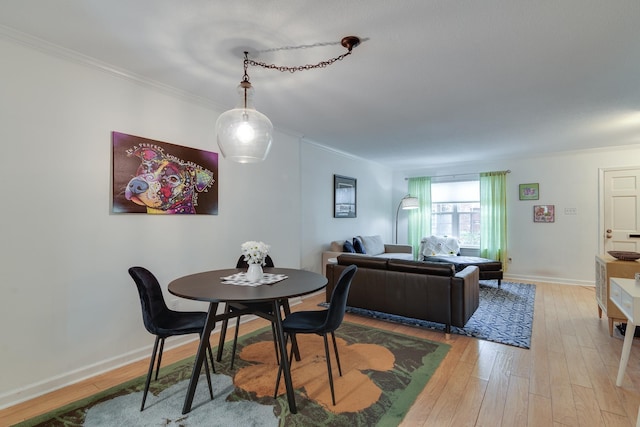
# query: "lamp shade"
244 134
410 203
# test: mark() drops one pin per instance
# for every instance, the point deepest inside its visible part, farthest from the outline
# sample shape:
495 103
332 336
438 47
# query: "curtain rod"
457 175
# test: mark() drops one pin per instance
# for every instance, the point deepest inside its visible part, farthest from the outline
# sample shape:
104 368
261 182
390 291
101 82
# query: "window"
455 211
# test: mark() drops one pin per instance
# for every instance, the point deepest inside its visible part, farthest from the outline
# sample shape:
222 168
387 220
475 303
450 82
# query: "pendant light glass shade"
244 134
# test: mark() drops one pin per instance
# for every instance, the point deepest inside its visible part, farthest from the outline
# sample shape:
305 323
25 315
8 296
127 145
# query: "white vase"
254 272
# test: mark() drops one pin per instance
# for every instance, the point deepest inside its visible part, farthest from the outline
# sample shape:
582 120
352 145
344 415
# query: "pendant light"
244 134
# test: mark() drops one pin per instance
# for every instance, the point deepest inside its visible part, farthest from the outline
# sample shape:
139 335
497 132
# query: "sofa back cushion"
421 267
373 245
363 261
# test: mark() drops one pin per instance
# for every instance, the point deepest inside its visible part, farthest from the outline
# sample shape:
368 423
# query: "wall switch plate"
570 211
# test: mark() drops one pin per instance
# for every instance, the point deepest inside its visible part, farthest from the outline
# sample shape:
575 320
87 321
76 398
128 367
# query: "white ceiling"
434 82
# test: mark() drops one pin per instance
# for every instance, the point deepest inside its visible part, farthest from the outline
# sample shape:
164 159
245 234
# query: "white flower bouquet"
255 252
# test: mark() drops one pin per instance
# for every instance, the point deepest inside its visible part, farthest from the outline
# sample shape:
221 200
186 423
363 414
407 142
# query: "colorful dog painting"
162 183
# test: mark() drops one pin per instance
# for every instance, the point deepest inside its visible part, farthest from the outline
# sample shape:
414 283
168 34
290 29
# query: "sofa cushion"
358 246
363 261
372 244
348 247
421 267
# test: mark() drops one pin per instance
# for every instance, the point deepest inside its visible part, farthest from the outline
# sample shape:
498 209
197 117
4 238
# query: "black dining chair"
321 322
162 322
247 308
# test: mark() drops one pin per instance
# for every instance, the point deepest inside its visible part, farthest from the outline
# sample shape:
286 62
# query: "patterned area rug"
505 314
383 373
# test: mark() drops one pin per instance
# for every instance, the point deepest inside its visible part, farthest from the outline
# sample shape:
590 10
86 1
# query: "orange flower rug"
383 373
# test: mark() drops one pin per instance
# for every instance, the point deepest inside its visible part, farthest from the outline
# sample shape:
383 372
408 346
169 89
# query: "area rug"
383 373
505 315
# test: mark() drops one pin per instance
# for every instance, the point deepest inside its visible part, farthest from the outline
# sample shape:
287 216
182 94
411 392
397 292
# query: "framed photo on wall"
529 191
544 213
344 197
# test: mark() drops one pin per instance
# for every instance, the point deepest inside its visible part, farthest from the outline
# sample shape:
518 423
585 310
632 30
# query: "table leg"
284 360
200 356
626 350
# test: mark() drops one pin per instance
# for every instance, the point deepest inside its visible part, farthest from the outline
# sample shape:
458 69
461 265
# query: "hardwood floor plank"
540 413
516 406
495 397
587 408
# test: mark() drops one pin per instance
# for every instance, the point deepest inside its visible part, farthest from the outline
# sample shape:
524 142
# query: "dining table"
218 286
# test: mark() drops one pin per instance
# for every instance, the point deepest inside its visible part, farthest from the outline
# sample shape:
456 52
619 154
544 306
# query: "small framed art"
544 213
529 191
344 197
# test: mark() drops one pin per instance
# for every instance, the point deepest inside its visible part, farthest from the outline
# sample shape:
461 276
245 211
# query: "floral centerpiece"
255 252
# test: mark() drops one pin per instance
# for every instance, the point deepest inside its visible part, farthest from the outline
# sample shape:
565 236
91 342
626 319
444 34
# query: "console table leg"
626 350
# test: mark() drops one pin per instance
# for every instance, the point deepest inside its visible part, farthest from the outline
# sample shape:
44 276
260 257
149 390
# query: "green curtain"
493 216
420 219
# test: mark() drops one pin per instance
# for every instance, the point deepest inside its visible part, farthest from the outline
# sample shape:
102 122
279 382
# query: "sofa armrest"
398 249
465 295
326 256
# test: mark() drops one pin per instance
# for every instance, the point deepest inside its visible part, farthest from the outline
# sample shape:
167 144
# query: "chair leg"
335 348
326 352
208 374
159 357
150 373
223 333
235 341
213 367
286 340
275 343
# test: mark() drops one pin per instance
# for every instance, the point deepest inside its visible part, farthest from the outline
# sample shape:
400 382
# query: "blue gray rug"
505 315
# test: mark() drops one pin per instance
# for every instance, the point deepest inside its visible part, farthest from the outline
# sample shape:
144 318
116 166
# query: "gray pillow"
372 244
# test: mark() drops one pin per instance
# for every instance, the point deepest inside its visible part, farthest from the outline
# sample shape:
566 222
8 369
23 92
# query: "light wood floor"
567 378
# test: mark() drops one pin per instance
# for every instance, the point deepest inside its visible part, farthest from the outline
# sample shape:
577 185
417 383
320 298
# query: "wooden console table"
607 267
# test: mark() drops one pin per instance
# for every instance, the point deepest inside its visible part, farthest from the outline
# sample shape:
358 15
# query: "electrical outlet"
509 260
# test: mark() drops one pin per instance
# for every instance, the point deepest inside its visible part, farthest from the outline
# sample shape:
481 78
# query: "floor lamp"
407 202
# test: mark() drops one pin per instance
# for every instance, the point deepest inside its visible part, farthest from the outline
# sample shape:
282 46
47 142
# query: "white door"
621 210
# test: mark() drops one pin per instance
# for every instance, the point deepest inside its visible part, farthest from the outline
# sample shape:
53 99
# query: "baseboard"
34 390
544 279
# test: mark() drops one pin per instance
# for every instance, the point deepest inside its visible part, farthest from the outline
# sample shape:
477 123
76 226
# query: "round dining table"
208 286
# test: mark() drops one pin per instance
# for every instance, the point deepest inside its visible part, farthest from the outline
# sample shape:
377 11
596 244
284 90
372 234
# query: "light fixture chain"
282 68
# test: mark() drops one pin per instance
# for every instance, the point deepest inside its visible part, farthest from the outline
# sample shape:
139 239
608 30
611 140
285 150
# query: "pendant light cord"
348 42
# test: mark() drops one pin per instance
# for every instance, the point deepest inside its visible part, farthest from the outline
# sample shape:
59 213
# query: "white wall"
563 251
68 307
319 227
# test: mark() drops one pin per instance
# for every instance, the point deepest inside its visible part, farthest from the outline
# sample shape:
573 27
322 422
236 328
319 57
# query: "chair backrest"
151 298
268 262
338 302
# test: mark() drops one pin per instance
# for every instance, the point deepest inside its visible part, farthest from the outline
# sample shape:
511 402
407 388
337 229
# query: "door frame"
601 226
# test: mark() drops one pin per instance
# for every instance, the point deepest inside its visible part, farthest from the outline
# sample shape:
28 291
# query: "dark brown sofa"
415 289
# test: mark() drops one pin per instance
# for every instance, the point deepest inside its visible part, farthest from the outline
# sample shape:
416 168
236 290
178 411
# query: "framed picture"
344 197
544 213
529 191
155 177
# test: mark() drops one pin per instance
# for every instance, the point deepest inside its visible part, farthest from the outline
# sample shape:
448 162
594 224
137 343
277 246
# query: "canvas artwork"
544 213
529 191
160 178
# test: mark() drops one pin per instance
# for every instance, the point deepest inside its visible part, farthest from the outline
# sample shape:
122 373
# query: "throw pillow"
358 246
372 244
348 247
